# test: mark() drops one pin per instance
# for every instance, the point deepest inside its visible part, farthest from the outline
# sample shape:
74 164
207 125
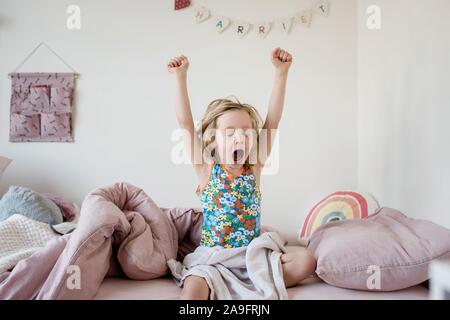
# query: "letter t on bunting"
322 8
181 4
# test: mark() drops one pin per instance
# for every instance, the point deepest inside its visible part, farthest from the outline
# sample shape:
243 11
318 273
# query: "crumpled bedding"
244 273
20 237
121 231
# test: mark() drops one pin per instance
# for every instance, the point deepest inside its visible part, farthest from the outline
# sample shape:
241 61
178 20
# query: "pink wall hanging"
41 104
41 107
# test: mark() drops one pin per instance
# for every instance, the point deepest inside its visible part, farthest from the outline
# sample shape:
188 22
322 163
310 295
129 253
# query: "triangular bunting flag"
221 23
263 29
181 4
322 8
201 14
285 24
304 18
242 28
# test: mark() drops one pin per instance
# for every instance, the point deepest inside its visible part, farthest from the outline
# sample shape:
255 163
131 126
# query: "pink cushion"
353 253
315 289
69 210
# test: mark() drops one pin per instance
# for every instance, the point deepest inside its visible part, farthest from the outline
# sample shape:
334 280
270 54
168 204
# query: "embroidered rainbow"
341 205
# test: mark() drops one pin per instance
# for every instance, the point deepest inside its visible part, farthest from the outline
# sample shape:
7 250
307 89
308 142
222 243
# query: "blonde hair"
217 108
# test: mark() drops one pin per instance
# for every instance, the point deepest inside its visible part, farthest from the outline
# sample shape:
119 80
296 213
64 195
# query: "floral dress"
231 208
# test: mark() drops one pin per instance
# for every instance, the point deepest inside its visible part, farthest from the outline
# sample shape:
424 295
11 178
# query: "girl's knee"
194 279
309 261
302 257
195 288
302 262
297 266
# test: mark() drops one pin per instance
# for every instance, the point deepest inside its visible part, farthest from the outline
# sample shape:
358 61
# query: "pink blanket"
121 231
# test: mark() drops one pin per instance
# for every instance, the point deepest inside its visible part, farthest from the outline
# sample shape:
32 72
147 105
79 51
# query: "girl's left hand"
281 59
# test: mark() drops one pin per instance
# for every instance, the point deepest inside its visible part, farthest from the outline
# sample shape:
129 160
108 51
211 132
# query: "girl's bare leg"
195 288
297 266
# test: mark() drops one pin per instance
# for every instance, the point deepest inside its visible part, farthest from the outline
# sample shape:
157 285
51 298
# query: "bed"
164 228
310 289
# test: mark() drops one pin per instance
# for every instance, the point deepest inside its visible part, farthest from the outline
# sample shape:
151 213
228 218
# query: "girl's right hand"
178 65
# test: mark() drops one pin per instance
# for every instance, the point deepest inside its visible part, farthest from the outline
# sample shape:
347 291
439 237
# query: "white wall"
124 112
404 107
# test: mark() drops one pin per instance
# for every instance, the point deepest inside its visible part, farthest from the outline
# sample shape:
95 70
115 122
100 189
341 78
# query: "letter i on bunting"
181 4
285 24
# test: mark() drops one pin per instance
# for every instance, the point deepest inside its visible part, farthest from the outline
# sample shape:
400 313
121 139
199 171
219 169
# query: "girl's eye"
229 132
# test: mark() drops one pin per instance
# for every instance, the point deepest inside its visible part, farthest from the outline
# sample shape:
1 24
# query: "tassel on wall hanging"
41 104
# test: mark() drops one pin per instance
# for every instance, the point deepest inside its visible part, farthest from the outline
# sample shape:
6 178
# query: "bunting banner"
241 28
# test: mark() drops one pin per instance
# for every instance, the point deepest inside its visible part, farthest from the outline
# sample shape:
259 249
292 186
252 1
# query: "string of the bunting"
241 28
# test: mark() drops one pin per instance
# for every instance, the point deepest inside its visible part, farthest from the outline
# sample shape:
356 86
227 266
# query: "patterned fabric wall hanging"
41 107
41 103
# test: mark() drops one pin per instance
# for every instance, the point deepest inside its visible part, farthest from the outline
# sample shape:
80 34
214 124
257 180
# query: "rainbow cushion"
341 205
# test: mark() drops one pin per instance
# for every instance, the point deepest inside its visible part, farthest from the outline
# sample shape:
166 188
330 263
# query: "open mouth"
238 154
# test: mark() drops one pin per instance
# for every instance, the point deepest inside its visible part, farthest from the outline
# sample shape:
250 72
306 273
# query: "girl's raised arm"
179 67
282 61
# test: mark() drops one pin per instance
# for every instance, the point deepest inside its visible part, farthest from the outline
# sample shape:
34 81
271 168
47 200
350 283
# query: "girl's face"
235 137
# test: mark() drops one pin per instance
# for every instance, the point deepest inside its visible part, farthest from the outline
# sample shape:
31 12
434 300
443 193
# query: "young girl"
228 171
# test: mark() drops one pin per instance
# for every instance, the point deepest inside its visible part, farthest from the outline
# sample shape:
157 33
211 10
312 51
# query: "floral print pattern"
231 208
